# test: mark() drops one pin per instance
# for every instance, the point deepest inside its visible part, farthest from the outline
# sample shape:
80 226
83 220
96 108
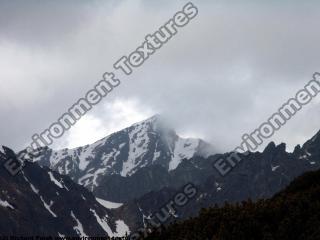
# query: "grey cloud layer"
222 76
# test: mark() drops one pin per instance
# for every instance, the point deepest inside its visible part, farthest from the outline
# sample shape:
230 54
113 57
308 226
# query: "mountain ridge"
146 143
260 175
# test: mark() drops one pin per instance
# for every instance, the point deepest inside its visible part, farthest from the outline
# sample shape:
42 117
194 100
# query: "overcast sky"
221 76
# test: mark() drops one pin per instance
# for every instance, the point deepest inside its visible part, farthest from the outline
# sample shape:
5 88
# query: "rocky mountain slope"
148 143
292 214
259 176
41 202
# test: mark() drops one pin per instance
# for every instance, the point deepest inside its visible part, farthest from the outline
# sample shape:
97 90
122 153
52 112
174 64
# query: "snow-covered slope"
41 202
123 153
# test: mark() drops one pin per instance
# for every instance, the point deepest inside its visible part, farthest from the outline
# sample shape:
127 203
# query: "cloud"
221 76
119 115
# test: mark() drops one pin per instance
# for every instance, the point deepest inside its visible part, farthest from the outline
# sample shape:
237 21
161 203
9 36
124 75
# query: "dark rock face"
41 202
258 176
293 213
154 178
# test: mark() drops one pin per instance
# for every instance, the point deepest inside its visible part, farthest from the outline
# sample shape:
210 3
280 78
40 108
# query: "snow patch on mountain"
79 227
274 168
88 153
109 205
103 222
6 204
138 146
184 149
122 229
48 206
54 180
33 188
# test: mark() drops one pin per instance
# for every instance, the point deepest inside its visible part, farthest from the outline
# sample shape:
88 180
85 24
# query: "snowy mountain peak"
155 124
147 143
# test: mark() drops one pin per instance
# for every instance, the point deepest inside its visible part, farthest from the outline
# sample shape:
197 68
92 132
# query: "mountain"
41 202
145 144
260 175
119 189
145 165
294 213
